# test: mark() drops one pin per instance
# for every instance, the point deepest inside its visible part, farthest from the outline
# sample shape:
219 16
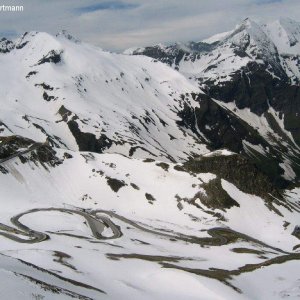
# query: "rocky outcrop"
10 145
253 87
87 141
172 55
6 45
52 57
237 170
223 129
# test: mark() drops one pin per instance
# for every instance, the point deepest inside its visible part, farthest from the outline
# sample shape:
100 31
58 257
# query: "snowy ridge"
249 39
125 101
227 52
217 37
286 35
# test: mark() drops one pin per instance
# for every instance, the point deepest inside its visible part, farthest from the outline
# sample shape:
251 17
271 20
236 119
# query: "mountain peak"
248 22
287 21
251 32
35 36
244 25
64 33
285 33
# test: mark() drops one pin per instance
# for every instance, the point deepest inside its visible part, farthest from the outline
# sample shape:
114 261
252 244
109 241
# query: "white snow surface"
129 100
134 101
217 37
285 34
81 182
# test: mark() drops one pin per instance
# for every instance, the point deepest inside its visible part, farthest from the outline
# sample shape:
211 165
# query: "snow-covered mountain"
80 97
122 177
275 45
251 75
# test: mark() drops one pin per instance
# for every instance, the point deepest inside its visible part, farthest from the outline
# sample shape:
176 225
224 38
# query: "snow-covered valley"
167 236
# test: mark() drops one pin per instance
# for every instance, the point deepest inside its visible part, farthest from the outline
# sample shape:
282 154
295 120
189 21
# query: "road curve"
98 220
97 225
218 235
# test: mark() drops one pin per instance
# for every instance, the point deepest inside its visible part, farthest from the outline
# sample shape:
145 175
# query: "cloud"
120 24
267 1
109 5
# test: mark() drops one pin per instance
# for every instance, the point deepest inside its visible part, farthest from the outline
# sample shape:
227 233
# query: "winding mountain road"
97 226
98 220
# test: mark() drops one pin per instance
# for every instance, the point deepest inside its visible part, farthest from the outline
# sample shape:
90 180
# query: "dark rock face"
48 97
115 184
6 45
65 113
264 92
45 86
223 129
16 146
87 141
51 57
31 73
296 232
10 145
237 170
45 155
21 45
246 89
174 54
258 90
216 197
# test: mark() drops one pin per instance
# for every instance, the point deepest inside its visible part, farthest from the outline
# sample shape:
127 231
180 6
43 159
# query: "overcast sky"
120 24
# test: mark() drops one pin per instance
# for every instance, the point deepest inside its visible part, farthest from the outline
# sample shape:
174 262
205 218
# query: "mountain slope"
175 223
117 181
80 97
251 79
